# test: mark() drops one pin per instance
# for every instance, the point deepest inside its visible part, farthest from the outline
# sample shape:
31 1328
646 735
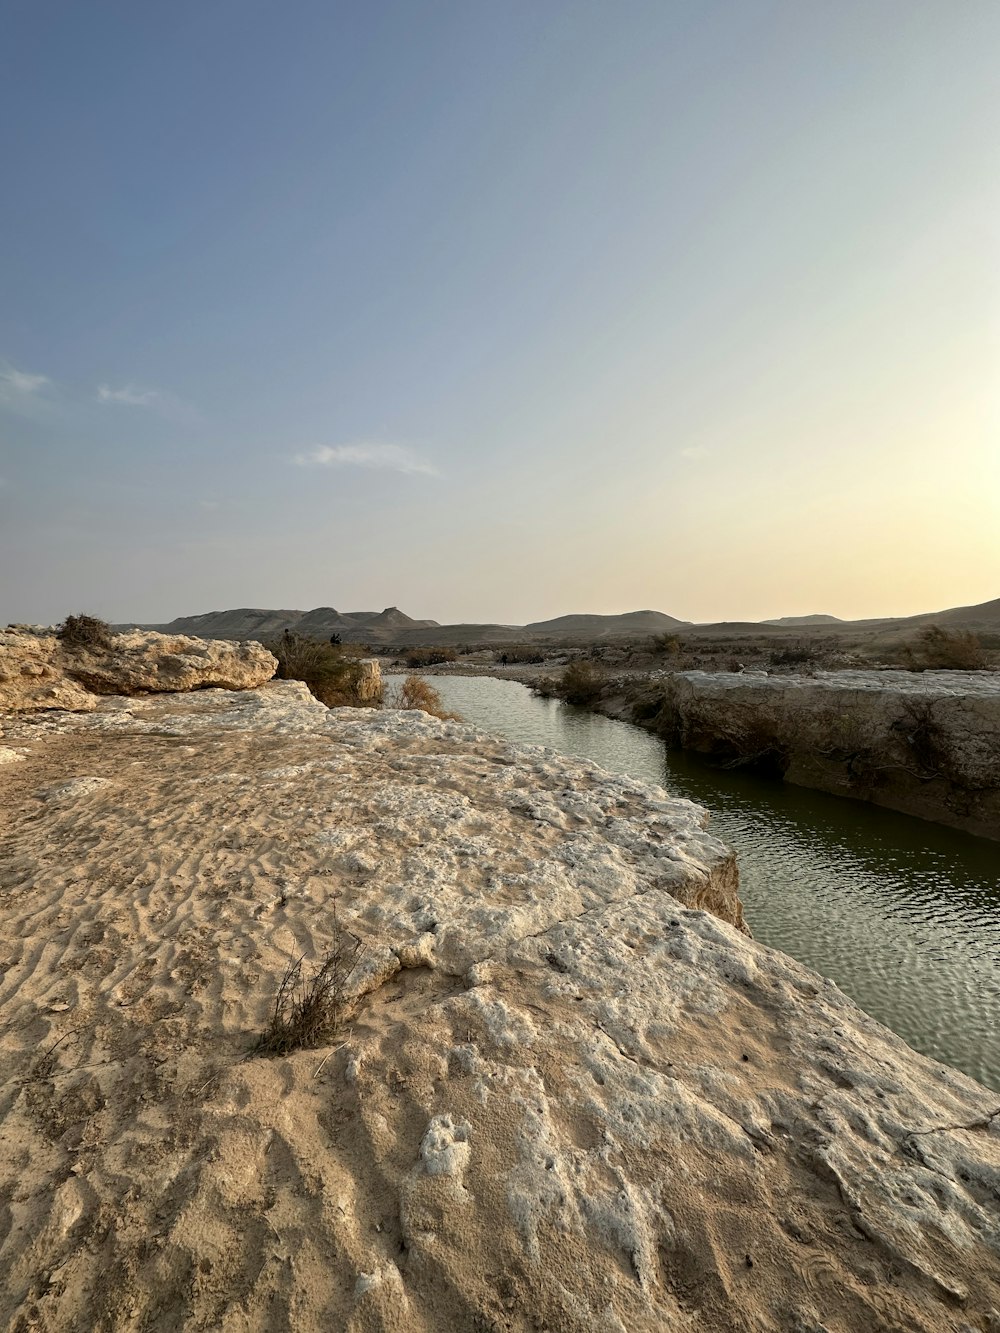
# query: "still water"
903 915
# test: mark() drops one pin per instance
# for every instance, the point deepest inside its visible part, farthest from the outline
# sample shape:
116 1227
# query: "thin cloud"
382 457
209 505
129 396
695 451
18 383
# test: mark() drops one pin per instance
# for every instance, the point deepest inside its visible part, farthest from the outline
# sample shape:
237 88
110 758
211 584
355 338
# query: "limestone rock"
559 1098
369 686
926 743
38 671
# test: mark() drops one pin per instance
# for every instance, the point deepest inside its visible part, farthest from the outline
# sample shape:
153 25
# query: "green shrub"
84 631
330 673
581 683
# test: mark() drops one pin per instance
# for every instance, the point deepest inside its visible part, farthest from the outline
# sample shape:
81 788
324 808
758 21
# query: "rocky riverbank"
924 743
568 1092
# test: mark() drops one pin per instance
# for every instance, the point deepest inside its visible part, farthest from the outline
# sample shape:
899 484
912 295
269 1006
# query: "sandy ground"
559 1100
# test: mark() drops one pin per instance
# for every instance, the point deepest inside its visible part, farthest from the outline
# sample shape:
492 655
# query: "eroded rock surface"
560 1098
926 743
38 671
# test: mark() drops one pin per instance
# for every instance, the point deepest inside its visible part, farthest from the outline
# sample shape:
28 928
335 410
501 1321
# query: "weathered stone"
369 686
38 671
558 1098
926 743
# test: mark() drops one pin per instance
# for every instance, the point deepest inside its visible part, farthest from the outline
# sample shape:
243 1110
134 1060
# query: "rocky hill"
567 1092
252 623
393 628
804 620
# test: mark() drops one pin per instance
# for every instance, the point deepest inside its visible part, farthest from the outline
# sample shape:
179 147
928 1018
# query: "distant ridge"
393 628
804 620
630 622
251 623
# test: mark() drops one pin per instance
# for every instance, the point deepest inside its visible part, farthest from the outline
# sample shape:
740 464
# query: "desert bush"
791 657
83 631
421 657
581 683
518 652
946 650
666 644
308 1010
331 674
415 692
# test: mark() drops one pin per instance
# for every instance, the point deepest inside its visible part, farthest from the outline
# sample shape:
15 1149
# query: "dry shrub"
666 644
331 674
581 683
946 650
308 1010
415 692
418 657
518 652
85 631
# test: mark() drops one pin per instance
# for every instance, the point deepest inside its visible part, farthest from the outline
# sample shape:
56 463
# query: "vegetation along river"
902 914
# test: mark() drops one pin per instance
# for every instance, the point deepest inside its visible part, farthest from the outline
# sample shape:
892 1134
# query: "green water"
903 915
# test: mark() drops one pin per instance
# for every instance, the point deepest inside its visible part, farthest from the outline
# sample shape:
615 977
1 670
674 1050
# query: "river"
902 914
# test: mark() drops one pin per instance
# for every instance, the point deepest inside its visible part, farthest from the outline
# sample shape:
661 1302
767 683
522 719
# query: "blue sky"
498 311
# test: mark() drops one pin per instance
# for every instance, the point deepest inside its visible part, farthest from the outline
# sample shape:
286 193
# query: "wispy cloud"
129 396
383 457
18 383
157 400
695 451
210 505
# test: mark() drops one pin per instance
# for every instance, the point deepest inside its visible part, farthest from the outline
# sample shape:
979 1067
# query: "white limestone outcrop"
926 743
39 671
563 1095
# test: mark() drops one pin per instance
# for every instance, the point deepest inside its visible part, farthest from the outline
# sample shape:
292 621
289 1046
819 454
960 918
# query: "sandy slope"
561 1099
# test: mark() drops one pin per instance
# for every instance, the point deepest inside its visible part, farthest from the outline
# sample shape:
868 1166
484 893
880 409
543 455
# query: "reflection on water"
903 915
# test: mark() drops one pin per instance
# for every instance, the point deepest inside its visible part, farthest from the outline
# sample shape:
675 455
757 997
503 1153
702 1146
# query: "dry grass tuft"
308 1010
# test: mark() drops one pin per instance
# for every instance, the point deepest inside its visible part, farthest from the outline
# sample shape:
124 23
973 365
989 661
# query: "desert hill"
394 628
595 627
804 620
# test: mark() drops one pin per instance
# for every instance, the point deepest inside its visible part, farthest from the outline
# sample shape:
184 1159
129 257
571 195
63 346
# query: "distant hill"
596 627
984 616
804 620
393 628
244 622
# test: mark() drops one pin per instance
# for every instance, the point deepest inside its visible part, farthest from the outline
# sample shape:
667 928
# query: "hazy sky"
499 310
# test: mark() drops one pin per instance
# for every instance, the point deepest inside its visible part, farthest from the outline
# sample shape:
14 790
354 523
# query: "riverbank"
546 1063
924 743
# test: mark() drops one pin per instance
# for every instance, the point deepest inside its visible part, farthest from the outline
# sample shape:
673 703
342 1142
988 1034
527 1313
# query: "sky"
499 311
